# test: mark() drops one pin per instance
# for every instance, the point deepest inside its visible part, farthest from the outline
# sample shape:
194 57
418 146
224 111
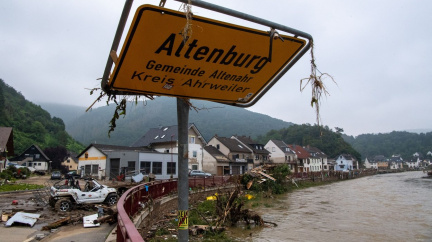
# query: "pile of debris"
259 174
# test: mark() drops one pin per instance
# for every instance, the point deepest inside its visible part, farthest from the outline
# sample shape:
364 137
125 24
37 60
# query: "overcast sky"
379 53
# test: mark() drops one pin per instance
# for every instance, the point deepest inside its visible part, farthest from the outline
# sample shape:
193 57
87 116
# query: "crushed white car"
66 194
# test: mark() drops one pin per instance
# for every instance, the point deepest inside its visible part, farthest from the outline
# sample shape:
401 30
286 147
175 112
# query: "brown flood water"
388 207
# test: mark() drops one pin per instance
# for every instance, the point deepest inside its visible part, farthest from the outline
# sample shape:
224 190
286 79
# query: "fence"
335 175
129 203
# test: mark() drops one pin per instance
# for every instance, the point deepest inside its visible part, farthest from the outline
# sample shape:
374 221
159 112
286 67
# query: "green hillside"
31 124
388 144
210 118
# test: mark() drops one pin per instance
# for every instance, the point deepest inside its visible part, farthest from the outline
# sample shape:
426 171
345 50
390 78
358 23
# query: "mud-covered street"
36 203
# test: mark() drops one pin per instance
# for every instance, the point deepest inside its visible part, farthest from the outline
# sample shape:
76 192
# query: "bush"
6 175
23 171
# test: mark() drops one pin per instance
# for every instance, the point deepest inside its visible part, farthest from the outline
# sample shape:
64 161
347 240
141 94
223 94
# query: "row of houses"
397 162
157 152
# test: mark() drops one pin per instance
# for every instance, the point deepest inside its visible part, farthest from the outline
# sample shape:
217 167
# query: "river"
387 207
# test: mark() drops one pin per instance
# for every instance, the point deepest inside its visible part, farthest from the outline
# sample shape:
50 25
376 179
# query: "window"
162 136
157 168
217 146
241 147
342 166
257 157
95 169
68 161
145 165
165 129
70 167
37 156
131 166
171 168
87 169
157 136
194 167
86 155
39 164
192 139
194 154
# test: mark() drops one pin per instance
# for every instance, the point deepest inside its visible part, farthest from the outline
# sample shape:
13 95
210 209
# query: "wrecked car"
66 194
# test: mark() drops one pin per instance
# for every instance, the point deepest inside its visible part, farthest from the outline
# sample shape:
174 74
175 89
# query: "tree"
339 130
56 155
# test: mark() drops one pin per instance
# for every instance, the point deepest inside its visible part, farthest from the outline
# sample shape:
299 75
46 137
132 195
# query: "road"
27 203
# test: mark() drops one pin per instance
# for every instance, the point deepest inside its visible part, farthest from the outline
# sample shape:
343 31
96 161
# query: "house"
70 162
331 162
165 140
302 157
370 163
418 154
345 162
6 145
259 153
318 159
425 163
239 155
215 162
381 161
162 165
33 157
110 161
413 163
279 152
395 162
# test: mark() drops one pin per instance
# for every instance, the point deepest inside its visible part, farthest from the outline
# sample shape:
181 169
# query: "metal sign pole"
183 179
123 19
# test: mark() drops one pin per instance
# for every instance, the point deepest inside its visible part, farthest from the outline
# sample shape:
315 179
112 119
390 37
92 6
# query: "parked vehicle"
73 174
66 194
56 175
199 173
39 172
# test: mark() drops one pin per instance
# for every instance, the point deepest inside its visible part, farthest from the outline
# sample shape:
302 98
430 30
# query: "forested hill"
388 144
31 124
210 118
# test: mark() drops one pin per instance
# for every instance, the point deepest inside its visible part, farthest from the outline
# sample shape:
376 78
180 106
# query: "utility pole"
183 179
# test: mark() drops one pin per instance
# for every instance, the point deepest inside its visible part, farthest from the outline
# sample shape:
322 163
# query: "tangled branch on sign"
317 85
121 105
187 30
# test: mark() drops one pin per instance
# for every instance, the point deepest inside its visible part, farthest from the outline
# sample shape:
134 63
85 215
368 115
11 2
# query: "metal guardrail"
129 203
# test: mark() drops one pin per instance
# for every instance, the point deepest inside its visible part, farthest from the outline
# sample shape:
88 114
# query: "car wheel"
111 199
63 205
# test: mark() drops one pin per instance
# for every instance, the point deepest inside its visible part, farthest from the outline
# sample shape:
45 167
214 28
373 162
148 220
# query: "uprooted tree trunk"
230 210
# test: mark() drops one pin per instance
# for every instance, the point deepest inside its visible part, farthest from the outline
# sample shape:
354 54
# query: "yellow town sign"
219 62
